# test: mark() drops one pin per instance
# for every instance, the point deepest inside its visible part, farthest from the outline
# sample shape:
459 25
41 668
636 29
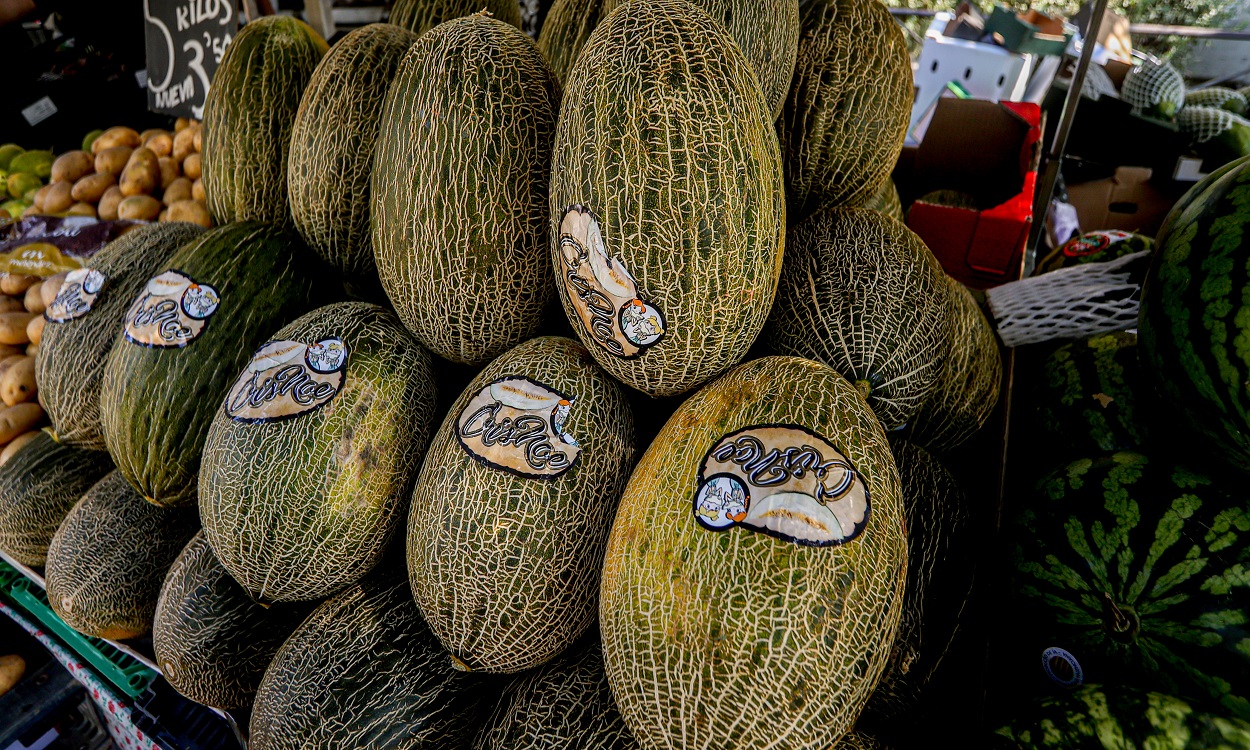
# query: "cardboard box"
988 150
985 71
1127 200
1031 33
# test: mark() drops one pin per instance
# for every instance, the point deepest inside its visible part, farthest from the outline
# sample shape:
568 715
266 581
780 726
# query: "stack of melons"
148 176
22 302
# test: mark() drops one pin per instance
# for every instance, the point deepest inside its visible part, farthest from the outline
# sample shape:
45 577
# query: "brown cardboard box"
1124 201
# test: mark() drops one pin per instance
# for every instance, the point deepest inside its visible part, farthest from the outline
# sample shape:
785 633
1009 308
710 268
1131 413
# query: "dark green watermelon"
1137 570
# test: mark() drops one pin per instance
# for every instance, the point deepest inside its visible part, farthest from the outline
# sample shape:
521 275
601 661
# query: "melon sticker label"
171 311
76 296
784 481
285 379
1094 242
602 291
517 425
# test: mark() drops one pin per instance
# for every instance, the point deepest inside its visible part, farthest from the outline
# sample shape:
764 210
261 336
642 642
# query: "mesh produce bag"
1154 88
1070 303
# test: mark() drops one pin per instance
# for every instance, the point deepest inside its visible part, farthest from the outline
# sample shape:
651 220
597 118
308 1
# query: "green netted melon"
942 544
859 741
754 577
968 380
1217 96
1155 89
844 121
168 370
460 199
82 325
565 705
666 198
420 16
248 116
766 32
295 534
511 512
212 642
332 145
39 485
1217 134
108 559
363 671
566 30
886 200
861 293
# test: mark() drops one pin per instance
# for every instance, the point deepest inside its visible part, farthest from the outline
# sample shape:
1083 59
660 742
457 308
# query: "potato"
59 197
184 143
13 327
181 124
19 418
12 667
11 304
48 289
31 210
16 284
32 350
16 444
160 143
113 160
40 194
169 171
191 166
118 136
82 209
90 189
198 140
142 174
11 360
192 211
107 209
72 165
17 385
138 207
34 329
164 215
33 301
197 192
178 190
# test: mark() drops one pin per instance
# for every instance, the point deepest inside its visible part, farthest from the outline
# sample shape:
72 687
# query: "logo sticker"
1091 243
76 296
785 481
172 310
602 291
517 425
286 379
1062 667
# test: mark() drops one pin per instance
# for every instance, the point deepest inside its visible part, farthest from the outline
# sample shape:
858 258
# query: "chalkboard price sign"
185 42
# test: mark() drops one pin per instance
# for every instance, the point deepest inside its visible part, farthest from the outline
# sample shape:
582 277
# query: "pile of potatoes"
148 176
22 302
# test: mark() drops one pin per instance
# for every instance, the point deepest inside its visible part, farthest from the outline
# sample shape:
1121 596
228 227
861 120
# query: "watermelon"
460 210
565 32
347 396
363 671
1193 318
83 322
186 337
1135 568
737 609
667 219
844 121
1155 89
511 513
1220 97
109 557
39 485
419 16
332 145
861 293
248 115
212 642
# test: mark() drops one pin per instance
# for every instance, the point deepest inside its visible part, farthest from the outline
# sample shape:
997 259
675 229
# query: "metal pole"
1041 204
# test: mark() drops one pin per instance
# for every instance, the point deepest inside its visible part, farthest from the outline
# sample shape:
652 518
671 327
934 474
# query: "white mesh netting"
1070 303
1154 86
1204 123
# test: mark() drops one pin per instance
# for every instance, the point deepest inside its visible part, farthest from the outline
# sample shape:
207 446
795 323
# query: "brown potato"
191 166
160 143
178 190
72 165
34 329
113 160
192 211
82 209
33 301
90 189
19 418
184 143
197 192
16 444
59 197
16 284
164 215
31 210
142 174
11 360
32 350
107 209
13 327
198 140
49 288
139 208
169 171
40 194
118 136
17 385
12 667
181 124
11 304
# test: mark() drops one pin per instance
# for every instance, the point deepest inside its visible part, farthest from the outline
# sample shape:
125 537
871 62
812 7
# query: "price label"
185 42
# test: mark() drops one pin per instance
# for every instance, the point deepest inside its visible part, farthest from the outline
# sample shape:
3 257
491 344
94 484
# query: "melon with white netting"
1155 89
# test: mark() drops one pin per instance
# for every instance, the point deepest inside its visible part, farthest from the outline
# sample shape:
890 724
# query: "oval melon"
843 124
248 116
861 293
212 642
758 551
566 30
886 200
420 16
82 325
666 199
363 671
108 559
299 500
512 509
332 144
459 202
565 705
39 485
157 401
